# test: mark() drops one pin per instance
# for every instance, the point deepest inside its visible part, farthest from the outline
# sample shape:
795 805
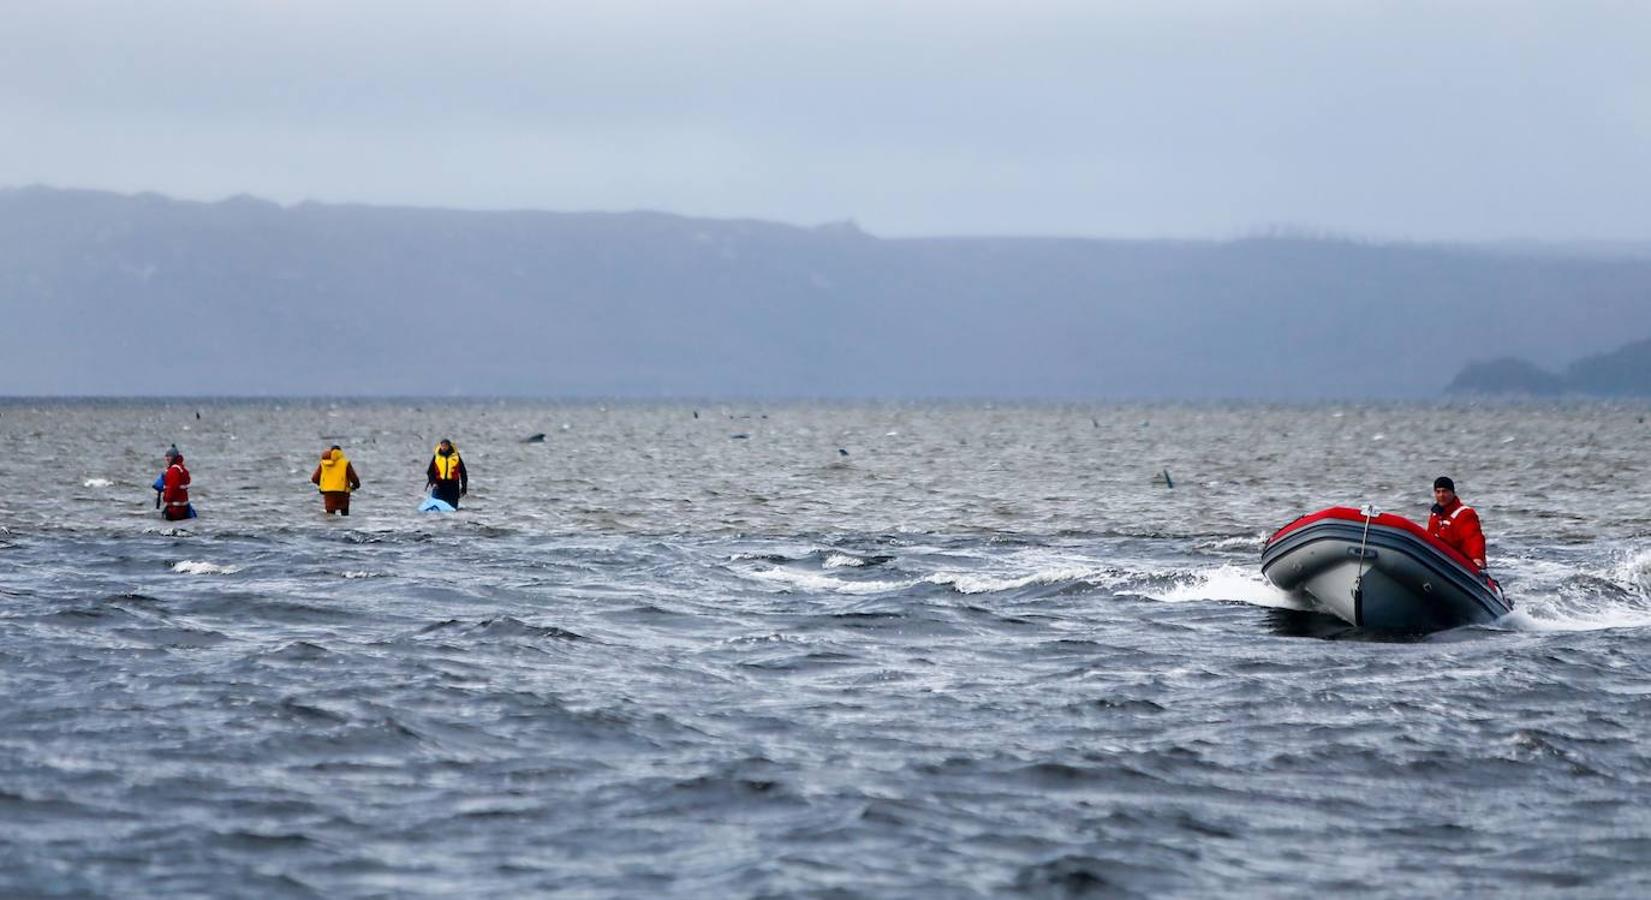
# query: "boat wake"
1231 584
1562 598
1035 573
1549 595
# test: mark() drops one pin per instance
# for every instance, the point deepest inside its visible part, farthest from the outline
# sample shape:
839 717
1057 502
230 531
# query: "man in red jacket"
1455 523
172 488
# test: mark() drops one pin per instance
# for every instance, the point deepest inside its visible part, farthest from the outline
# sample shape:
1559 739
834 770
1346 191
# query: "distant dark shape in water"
1094 422
696 413
1164 479
537 437
197 414
739 437
841 452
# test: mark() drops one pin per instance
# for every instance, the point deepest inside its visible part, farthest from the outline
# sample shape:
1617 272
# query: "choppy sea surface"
793 650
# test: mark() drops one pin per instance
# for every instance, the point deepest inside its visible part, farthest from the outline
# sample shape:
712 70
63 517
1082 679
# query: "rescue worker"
1455 523
172 488
446 478
336 478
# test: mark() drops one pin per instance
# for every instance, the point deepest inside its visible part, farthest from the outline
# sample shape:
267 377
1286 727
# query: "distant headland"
1624 372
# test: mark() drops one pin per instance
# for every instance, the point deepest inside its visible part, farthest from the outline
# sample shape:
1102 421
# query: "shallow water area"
790 649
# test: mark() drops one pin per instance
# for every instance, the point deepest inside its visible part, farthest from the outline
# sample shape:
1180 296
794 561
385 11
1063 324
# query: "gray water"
979 653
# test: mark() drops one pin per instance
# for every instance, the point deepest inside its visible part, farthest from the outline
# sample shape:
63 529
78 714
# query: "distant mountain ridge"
1624 372
142 295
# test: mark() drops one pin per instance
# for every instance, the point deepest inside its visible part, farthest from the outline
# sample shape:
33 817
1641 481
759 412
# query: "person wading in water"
336 478
446 477
172 488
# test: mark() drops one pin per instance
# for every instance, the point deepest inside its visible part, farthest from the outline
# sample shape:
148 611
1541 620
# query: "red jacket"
1459 527
176 492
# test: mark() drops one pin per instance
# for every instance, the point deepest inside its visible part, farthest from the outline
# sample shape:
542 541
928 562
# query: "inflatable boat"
1381 571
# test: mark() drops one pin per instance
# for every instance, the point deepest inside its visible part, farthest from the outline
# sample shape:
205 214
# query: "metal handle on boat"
1369 512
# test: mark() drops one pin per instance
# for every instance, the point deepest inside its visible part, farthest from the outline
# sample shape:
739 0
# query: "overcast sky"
1466 120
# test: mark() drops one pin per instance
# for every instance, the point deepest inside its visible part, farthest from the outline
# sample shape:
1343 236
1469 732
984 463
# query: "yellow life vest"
335 472
447 467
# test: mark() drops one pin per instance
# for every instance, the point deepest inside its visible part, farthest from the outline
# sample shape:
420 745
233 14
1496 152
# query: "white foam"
965 583
1233 584
813 581
841 560
1560 610
96 483
1254 542
359 574
1635 570
198 567
1568 617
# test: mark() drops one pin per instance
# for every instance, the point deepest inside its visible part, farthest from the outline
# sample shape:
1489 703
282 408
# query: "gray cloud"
1462 120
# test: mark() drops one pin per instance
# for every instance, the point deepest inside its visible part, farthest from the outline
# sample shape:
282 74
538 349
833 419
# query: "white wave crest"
965 583
199 567
1233 584
1617 598
1570 617
813 581
1635 570
359 574
1253 542
842 560
96 483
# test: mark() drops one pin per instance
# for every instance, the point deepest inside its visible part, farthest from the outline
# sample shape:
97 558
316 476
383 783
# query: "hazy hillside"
1623 372
111 294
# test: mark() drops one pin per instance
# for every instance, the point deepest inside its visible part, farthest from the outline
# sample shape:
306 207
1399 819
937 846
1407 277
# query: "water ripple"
982 655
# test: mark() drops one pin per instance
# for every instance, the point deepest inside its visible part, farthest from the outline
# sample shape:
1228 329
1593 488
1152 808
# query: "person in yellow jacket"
446 477
336 478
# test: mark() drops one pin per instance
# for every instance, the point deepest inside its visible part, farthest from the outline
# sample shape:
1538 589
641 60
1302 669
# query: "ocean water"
793 650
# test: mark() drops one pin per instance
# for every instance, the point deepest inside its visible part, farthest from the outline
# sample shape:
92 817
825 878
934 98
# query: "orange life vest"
447 467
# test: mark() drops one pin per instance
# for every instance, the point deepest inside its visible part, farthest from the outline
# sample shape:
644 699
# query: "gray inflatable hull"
1391 581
